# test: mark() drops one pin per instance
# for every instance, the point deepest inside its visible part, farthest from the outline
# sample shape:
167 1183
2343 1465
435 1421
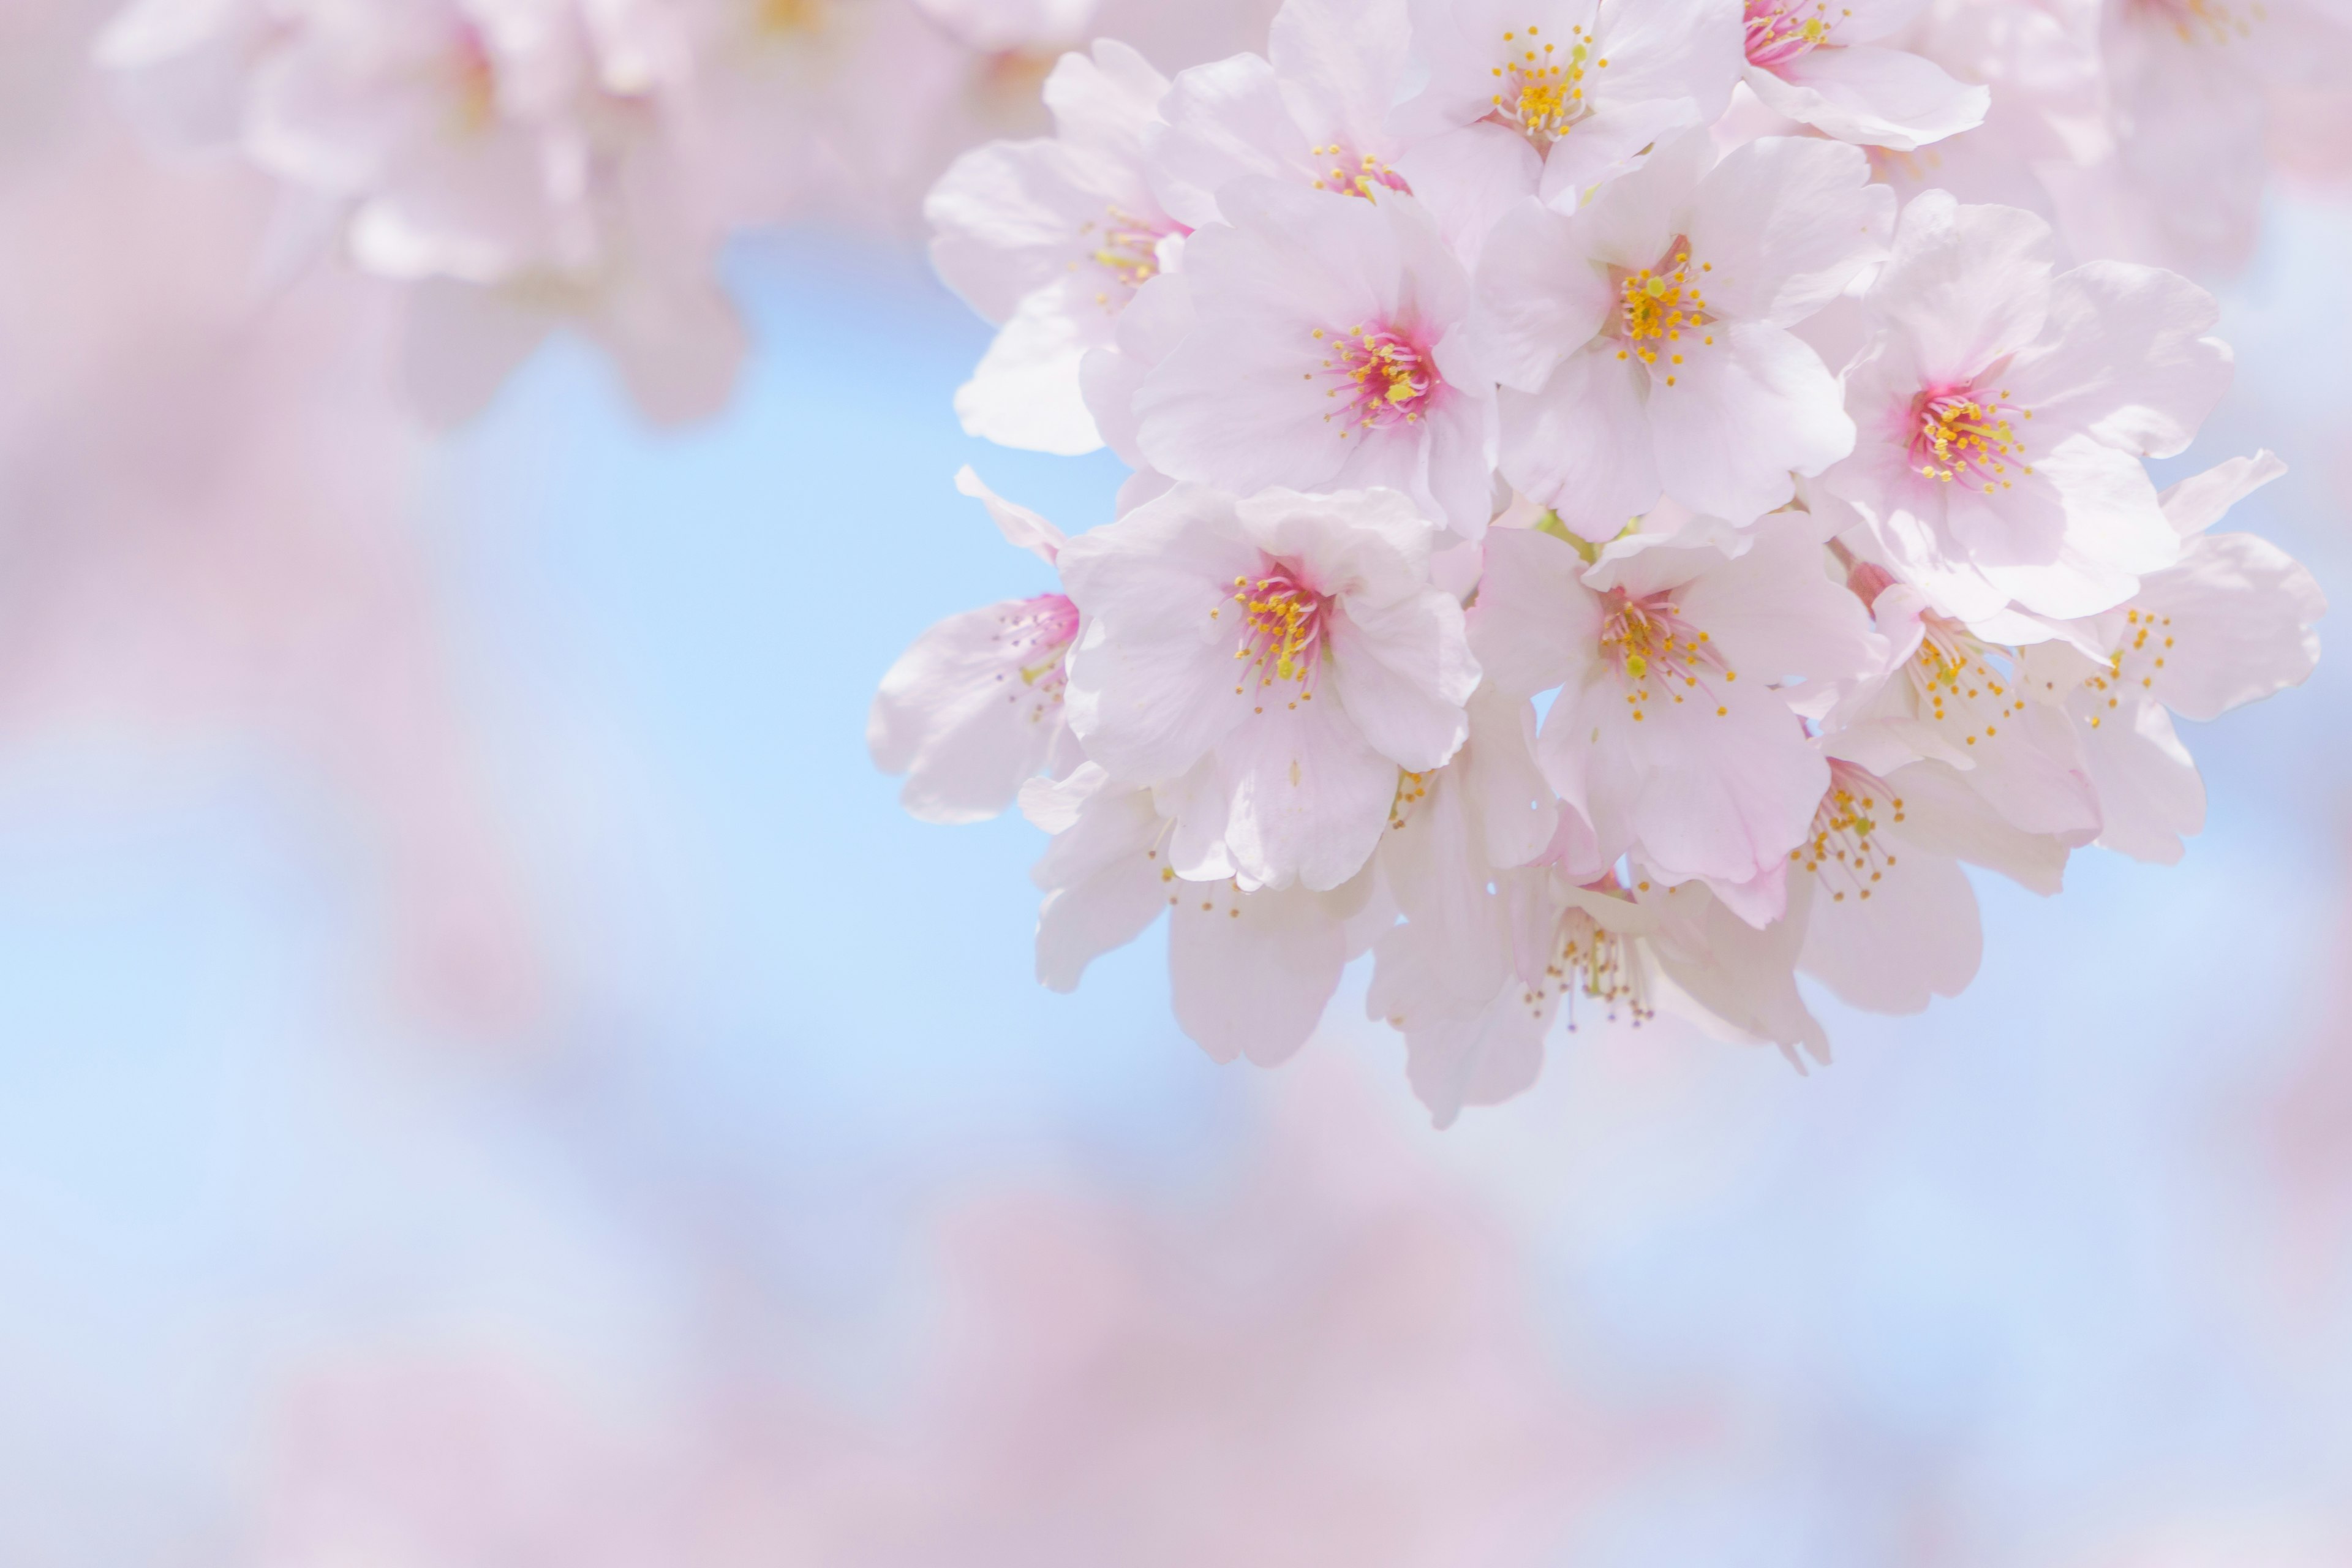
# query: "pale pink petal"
1250 973
1878 96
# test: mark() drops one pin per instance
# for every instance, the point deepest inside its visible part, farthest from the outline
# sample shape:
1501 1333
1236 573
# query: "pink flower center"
1539 85
1661 310
1283 624
1844 850
474 83
1365 177
1779 31
1963 434
1381 378
1037 634
1662 657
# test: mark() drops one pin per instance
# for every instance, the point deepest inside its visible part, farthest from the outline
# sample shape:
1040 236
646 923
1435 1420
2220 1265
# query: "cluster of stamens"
1844 850
1038 633
1282 632
1596 964
1779 31
1366 177
2147 636
1411 791
1659 308
1381 379
1968 436
1540 88
1663 658
1126 246
1961 680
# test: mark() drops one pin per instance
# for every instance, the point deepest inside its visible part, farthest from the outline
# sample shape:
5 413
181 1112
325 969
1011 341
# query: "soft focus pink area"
209 491
1331 1357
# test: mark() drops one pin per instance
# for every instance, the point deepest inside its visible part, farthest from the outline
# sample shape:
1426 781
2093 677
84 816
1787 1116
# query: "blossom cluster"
523 166
517 167
1603 537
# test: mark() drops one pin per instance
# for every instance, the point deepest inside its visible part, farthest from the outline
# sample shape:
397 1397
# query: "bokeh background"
489 1079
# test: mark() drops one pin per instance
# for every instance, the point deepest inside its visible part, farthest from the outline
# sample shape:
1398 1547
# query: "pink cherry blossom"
1591 87
1328 349
2004 410
1050 239
1644 345
976 708
1951 697
1669 737
2229 625
1269 667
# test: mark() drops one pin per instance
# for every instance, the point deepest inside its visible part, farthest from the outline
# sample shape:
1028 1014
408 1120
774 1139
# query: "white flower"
1832 68
1645 341
1050 239
2003 414
1669 739
1269 666
976 708
1327 349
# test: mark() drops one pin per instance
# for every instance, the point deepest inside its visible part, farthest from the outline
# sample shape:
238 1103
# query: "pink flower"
1050 239
1315 111
1646 345
1950 696
1620 951
1327 349
2004 413
974 709
1669 740
1268 666
2229 625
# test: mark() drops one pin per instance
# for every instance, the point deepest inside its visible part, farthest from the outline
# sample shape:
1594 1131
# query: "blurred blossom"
207 499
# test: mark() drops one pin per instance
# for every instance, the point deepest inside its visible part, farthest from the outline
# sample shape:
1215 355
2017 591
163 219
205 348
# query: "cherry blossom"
2004 409
976 708
1589 86
2229 625
1644 343
1671 739
1051 239
1328 349
1268 666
